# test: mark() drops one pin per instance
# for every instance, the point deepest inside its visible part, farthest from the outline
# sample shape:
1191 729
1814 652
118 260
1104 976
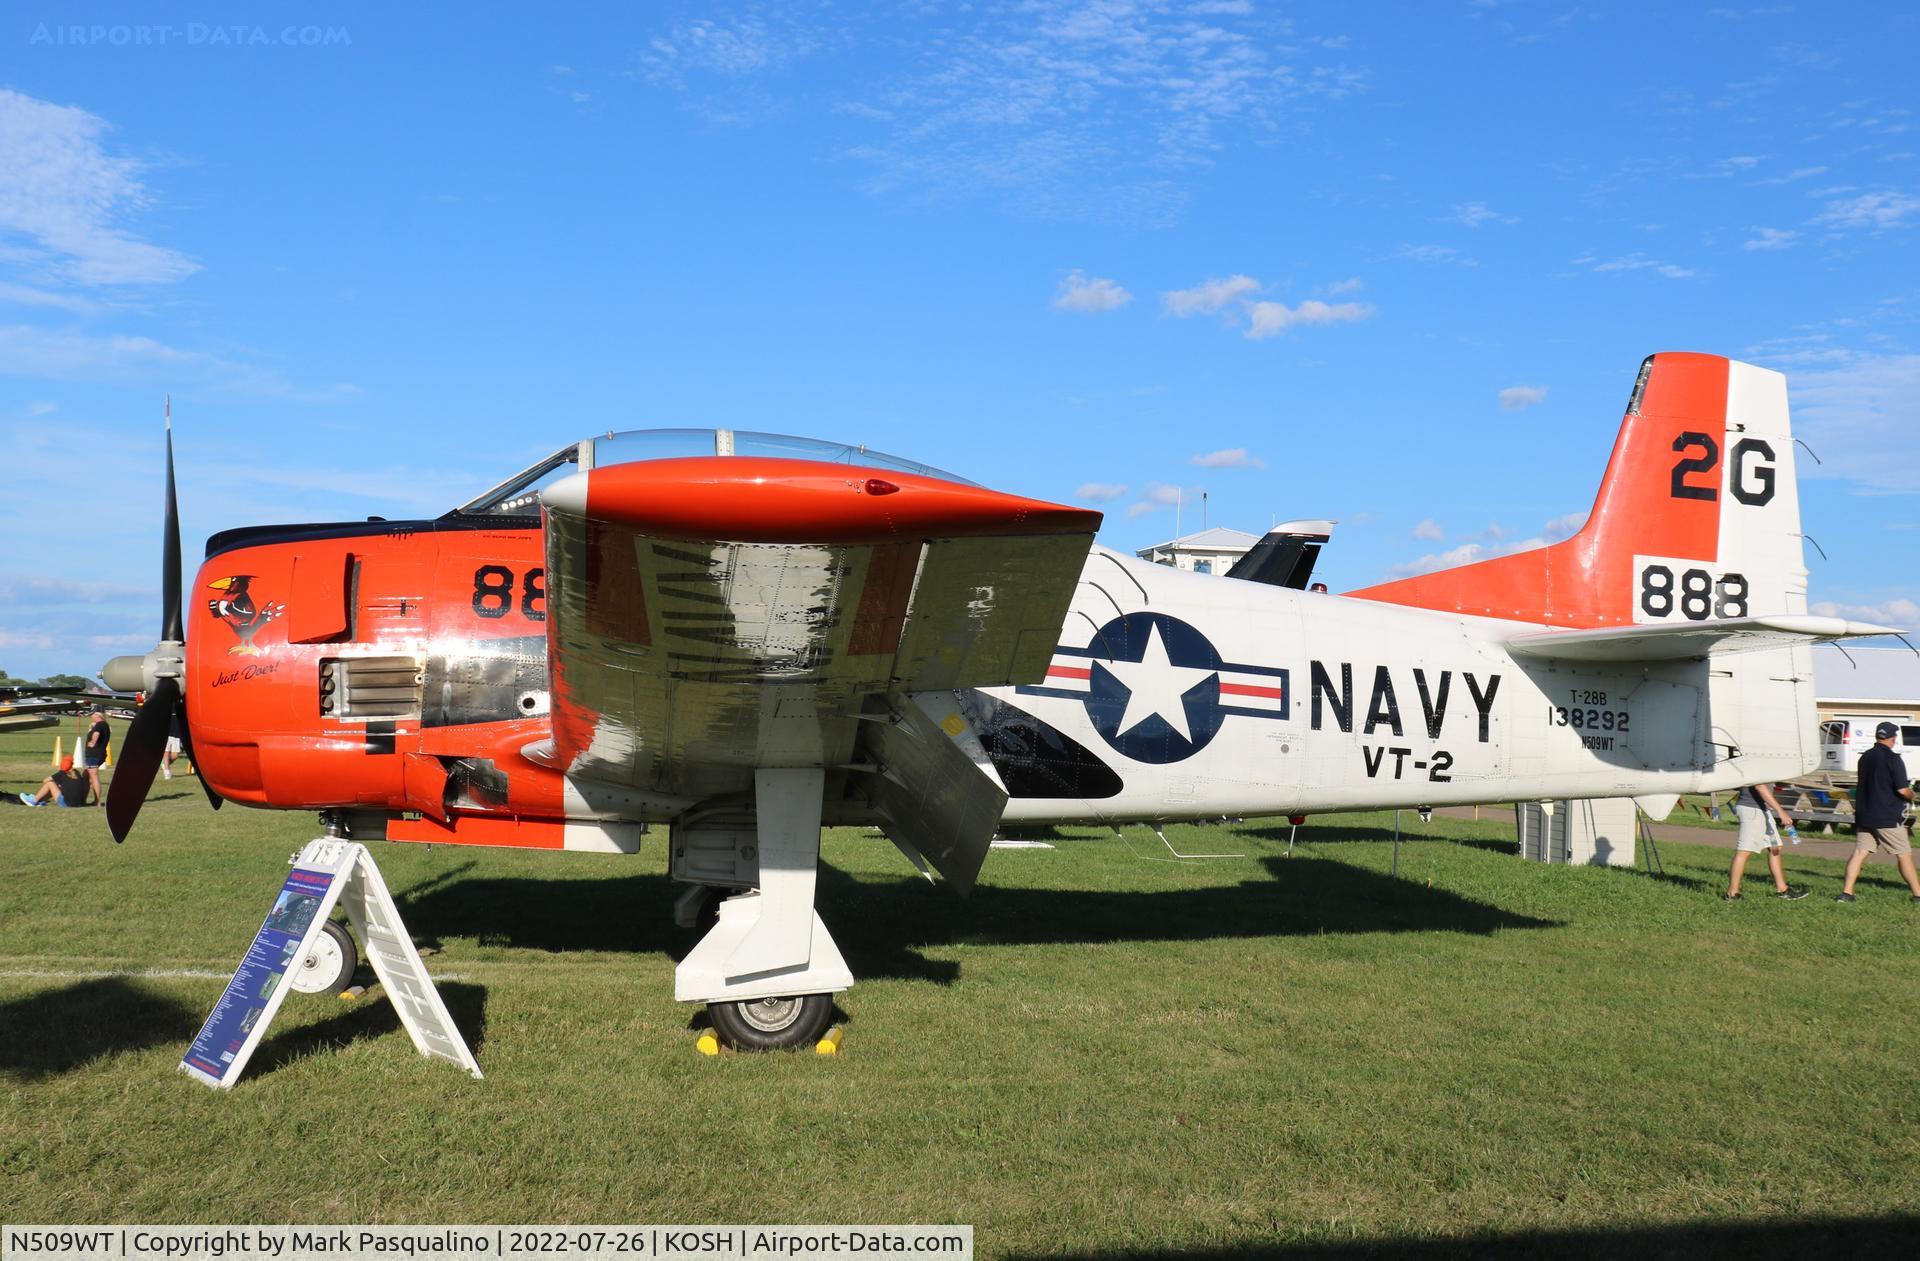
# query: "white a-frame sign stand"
329 872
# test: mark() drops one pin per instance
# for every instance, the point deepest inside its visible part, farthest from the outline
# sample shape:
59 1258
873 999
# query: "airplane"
32 705
747 637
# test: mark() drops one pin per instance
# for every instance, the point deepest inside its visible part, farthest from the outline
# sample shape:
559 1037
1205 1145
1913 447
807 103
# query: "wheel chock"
709 1043
829 1043
352 992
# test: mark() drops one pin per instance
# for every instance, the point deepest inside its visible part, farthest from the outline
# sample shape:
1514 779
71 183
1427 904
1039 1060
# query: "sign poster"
259 984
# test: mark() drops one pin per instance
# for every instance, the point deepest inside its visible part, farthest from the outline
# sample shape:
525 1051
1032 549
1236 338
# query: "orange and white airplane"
748 637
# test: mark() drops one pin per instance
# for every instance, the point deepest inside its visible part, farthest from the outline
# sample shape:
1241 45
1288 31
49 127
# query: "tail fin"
1698 516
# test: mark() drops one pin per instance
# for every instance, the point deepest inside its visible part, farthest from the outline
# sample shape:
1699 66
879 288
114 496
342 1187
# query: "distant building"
1207 552
1881 682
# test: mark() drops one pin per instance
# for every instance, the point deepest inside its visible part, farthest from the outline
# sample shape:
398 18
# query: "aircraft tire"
772 1024
329 966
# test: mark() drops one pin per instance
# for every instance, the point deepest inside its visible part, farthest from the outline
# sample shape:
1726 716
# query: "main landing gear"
767 969
329 966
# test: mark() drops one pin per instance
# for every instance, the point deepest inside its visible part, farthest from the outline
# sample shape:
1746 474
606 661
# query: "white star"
1155 686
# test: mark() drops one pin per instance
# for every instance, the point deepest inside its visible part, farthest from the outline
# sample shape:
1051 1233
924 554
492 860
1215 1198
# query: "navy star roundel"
1156 689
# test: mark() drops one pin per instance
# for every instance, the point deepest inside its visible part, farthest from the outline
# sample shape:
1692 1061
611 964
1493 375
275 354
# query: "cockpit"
519 495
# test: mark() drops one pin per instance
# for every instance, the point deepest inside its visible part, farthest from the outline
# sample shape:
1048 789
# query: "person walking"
1756 808
1879 808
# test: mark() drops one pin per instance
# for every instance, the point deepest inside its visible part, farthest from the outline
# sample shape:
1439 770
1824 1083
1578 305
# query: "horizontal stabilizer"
1691 640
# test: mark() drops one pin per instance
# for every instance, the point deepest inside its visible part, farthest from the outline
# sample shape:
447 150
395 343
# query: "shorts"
1756 829
1891 840
173 745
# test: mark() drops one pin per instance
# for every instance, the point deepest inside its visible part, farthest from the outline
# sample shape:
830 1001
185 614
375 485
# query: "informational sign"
328 872
259 984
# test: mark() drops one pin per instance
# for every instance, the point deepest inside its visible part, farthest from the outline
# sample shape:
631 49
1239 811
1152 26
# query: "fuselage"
401 667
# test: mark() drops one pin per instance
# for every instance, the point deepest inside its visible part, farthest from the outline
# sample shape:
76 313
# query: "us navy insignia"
1157 690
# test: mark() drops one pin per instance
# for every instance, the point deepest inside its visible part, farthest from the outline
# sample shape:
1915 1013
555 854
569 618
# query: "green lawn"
1100 1052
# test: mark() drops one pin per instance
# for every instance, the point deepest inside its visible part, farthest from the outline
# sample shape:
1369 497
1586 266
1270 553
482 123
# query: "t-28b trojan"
747 637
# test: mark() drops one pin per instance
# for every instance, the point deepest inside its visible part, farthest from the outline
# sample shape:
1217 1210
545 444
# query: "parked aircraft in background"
747 637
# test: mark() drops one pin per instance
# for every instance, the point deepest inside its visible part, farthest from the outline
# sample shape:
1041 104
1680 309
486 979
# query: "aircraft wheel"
772 1024
329 966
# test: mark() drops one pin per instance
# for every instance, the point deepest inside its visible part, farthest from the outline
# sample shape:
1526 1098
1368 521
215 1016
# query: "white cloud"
1209 296
1351 284
1475 213
1871 210
1270 319
1155 496
1635 262
1431 254
1100 492
1517 398
1080 292
1231 457
1565 527
1770 239
64 193
1861 413
1485 545
1899 613
27 295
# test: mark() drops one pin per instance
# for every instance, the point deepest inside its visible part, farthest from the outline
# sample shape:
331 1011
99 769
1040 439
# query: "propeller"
160 673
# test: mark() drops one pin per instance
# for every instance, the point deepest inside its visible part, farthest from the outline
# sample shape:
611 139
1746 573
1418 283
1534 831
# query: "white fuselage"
1210 696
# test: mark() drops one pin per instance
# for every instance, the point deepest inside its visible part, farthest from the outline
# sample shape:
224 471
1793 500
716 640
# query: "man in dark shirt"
1879 806
65 787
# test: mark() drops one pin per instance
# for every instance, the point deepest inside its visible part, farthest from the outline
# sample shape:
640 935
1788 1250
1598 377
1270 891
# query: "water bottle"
1793 834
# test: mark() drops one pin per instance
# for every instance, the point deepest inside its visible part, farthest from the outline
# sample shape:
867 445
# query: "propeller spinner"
161 674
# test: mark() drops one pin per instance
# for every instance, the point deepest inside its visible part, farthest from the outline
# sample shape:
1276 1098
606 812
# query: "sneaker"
167 771
1729 897
27 799
1790 894
1843 897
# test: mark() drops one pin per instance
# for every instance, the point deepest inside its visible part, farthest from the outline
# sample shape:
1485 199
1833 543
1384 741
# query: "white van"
1845 737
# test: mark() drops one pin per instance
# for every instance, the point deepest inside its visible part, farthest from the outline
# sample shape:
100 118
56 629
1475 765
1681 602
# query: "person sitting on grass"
1752 807
65 787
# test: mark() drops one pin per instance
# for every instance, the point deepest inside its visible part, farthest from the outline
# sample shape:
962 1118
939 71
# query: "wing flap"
934 799
1690 641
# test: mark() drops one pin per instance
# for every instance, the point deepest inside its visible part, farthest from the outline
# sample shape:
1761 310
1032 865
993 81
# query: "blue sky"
1394 264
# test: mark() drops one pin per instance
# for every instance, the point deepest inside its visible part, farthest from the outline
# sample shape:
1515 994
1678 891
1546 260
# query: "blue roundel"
1154 687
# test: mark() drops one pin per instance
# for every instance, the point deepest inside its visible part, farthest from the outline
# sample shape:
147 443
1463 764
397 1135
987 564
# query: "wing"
1688 641
708 616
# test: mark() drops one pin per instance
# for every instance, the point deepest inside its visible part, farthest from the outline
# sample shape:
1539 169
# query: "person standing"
1756 808
99 744
1879 807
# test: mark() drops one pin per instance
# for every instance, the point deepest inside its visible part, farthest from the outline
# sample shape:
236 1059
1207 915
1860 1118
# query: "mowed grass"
1100 1052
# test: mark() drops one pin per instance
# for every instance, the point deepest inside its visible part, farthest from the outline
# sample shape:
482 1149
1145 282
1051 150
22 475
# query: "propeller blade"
170 557
214 799
140 755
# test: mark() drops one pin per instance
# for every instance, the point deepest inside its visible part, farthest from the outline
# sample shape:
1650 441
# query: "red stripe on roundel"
1068 672
1248 689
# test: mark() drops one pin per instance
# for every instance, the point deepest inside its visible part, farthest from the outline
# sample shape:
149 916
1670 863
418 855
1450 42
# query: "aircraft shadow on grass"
57 1031
880 926
1855 1238
372 1017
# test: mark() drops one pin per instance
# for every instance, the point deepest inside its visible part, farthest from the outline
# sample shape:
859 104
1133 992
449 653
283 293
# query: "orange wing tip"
765 500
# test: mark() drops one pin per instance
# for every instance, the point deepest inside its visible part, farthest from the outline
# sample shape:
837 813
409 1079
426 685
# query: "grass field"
1100 1053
